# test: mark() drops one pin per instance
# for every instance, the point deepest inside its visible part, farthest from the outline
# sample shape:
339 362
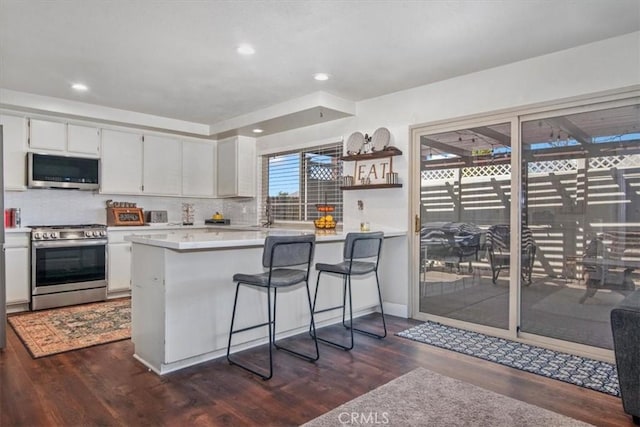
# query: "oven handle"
68 243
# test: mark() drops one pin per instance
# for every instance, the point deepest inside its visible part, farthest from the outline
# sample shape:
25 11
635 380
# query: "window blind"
294 182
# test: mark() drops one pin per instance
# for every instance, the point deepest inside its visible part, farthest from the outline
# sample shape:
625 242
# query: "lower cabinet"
119 255
17 275
119 267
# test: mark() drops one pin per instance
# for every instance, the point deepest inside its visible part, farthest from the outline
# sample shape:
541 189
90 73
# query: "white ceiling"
178 59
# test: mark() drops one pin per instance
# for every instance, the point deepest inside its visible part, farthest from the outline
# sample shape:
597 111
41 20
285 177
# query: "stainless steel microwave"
53 171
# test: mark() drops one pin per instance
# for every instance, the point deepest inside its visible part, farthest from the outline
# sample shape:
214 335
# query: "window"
294 182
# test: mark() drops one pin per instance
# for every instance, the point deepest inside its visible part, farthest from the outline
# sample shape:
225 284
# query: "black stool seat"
357 247
279 277
353 268
279 251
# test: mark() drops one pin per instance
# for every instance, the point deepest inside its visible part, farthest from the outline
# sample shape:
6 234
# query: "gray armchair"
625 326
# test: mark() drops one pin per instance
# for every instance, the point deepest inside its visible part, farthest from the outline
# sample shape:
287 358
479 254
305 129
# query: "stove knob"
103 233
37 236
88 233
54 235
45 235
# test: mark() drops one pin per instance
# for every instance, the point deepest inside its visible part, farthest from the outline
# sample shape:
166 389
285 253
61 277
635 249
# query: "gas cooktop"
72 226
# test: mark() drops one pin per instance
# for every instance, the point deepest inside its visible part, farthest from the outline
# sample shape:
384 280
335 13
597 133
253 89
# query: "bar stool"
279 251
357 246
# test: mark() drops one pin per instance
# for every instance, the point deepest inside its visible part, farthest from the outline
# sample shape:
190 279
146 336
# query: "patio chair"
498 247
609 262
450 242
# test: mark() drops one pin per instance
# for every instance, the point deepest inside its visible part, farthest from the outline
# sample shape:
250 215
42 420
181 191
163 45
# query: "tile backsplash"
51 207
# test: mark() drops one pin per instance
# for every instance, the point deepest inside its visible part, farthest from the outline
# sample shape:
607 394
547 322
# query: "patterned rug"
58 330
581 371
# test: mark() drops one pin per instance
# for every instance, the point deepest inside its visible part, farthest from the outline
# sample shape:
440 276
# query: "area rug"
59 330
582 371
425 398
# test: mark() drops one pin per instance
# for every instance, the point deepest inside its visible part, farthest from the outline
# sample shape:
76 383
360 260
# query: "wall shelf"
367 164
370 186
389 152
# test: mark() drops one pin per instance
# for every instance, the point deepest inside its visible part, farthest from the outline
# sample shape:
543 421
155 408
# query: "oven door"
68 265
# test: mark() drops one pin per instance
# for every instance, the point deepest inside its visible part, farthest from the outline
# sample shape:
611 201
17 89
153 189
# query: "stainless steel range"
68 265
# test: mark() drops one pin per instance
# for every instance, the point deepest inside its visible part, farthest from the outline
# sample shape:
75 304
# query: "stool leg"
233 317
315 298
313 311
312 325
384 323
269 324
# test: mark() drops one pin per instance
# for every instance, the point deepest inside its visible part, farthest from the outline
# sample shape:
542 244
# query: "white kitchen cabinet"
198 169
17 274
121 167
119 268
14 131
83 140
236 167
47 135
162 166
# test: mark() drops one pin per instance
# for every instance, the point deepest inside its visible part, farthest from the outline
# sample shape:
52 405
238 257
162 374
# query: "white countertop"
17 230
217 238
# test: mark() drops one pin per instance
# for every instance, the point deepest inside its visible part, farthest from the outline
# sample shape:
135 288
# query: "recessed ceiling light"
79 87
246 49
257 130
321 76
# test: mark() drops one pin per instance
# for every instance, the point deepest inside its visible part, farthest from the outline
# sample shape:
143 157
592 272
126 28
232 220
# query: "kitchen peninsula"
182 292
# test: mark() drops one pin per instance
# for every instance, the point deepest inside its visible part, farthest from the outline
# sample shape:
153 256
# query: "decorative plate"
380 139
355 143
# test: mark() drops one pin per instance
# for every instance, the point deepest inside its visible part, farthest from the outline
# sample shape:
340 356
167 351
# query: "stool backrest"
363 245
286 251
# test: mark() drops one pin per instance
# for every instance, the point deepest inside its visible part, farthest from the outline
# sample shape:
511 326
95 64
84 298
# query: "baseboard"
393 309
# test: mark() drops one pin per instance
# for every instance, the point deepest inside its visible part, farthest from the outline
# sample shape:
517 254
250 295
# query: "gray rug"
424 398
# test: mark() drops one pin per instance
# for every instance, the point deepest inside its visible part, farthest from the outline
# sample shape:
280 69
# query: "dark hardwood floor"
105 386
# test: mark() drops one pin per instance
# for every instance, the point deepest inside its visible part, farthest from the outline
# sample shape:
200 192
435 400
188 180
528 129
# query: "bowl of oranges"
326 221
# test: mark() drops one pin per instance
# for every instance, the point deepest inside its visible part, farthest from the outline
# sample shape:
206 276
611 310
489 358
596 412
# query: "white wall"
590 69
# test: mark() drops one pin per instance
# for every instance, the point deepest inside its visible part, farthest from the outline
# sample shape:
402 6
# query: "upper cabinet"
62 137
47 135
162 166
15 146
121 167
83 140
236 169
198 169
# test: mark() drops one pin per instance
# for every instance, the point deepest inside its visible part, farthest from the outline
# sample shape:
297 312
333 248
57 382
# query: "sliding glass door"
550 268
583 207
465 196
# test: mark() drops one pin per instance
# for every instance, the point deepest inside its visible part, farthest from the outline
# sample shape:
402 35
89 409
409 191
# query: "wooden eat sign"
375 170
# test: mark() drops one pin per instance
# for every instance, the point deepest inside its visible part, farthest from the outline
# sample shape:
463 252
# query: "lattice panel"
487 171
609 162
325 172
551 166
437 174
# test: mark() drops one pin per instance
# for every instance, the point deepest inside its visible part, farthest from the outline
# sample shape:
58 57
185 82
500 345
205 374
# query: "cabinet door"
198 166
14 131
162 166
83 139
46 135
17 275
119 268
233 180
121 167
227 169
